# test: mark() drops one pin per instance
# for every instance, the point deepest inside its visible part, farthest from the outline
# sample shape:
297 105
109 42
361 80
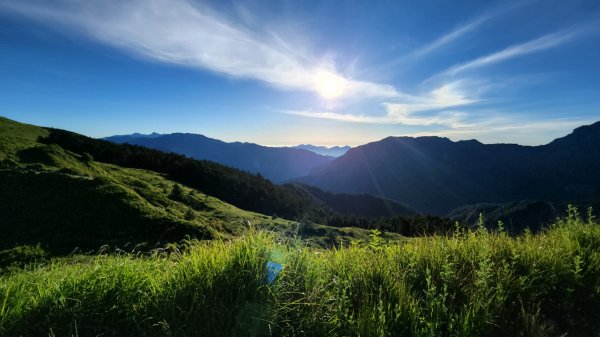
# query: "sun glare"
329 85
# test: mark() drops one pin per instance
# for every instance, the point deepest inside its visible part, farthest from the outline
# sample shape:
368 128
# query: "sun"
329 85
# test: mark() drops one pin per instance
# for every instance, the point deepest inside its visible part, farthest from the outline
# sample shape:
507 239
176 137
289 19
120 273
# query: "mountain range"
433 175
333 151
277 164
436 175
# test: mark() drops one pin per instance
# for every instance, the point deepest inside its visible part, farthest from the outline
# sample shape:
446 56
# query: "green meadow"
472 283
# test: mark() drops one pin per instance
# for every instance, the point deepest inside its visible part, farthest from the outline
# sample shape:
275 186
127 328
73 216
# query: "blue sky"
291 72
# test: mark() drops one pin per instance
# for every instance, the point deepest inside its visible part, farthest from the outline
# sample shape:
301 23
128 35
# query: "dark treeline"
242 189
365 205
407 226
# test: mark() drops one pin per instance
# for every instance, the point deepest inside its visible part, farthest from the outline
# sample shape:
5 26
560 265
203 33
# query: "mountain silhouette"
435 175
277 164
334 151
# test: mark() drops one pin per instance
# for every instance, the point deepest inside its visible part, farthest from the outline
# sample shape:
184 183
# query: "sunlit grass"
476 283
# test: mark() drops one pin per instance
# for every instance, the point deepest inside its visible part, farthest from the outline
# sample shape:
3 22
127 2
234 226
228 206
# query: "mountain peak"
136 135
586 134
470 141
586 129
419 138
333 151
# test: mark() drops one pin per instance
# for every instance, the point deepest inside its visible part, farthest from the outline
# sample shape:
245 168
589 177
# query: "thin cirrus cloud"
542 43
438 43
450 37
453 35
452 119
177 32
461 31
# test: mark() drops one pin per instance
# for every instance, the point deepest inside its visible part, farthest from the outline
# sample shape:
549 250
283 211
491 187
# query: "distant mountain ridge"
123 138
333 151
435 175
277 164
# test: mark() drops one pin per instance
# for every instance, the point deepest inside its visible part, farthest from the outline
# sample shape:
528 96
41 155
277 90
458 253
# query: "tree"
177 193
87 158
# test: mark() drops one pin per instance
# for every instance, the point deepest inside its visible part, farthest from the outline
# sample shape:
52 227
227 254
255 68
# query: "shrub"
21 256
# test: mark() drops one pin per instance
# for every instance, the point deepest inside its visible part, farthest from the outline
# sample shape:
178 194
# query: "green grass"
471 284
15 137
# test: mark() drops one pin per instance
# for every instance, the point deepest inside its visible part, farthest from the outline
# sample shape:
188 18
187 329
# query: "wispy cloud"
178 32
434 45
410 110
451 119
542 43
499 129
452 35
447 95
494 128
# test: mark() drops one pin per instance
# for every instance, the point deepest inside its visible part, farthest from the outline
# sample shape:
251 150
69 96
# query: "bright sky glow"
289 72
329 85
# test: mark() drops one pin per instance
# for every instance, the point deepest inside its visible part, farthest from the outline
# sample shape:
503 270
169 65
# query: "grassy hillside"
15 137
65 200
469 284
